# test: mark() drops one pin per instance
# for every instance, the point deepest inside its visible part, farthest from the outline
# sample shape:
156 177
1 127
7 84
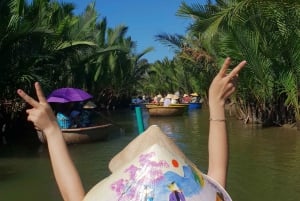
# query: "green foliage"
265 33
46 42
289 88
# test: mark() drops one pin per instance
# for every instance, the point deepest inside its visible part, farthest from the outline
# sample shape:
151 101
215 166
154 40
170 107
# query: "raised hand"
41 114
224 84
43 118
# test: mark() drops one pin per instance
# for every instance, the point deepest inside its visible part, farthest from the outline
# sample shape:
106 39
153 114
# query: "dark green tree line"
265 33
45 41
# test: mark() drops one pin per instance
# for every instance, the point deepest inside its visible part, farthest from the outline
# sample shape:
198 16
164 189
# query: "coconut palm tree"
258 31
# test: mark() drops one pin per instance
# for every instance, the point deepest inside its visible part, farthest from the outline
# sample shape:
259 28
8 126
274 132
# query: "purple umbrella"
65 95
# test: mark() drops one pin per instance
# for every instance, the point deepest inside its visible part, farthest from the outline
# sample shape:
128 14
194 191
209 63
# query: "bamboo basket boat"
148 105
173 110
83 135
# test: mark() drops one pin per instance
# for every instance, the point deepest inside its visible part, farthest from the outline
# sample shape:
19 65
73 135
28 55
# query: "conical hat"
89 105
152 167
169 96
194 94
175 97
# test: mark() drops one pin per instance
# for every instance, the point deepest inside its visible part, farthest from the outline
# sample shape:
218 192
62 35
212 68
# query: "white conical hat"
89 105
169 96
152 167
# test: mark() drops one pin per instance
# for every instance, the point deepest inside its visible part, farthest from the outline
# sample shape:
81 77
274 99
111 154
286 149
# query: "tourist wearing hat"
86 114
67 177
174 99
159 97
186 98
167 100
194 97
194 94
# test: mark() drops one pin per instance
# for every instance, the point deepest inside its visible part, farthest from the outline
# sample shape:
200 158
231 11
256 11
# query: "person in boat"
159 98
154 100
75 116
161 101
68 115
85 119
186 98
65 172
194 98
63 115
167 100
174 99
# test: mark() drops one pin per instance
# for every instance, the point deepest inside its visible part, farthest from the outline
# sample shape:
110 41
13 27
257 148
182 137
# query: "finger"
230 91
39 93
27 98
225 66
28 111
233 78
236 70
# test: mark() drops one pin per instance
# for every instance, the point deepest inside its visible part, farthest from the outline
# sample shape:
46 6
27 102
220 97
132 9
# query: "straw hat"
89 105
154 171
185 95
159 96
194 94
169 96
175 97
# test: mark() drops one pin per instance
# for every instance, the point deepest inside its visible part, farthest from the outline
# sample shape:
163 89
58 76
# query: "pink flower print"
118 186
132 170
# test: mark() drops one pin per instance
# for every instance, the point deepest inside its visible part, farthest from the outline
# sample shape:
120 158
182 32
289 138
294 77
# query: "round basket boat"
83 135
166 111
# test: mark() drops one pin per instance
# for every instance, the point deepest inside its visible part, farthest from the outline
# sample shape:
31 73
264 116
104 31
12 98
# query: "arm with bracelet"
222 86
43 118
65 172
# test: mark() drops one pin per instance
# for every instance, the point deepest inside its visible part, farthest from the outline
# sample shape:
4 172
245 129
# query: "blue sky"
144 18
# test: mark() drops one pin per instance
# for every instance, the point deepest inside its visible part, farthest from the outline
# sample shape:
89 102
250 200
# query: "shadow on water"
264 162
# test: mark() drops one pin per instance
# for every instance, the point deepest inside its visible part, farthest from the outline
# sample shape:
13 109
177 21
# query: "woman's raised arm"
43 118
222 86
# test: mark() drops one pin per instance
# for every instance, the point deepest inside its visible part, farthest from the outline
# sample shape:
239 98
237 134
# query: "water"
264 163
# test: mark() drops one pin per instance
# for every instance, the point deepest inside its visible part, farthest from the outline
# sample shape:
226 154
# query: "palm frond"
175 41
16 10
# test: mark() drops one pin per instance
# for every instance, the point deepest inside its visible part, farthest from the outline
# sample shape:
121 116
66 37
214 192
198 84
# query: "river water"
264 162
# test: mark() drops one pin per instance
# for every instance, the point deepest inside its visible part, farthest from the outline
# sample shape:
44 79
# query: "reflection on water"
264 163
268 160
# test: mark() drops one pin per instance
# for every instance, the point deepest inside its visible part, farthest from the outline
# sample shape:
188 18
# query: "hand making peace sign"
224 84
41 114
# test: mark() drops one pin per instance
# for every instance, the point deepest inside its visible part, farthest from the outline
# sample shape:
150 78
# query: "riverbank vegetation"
45 41
266 34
